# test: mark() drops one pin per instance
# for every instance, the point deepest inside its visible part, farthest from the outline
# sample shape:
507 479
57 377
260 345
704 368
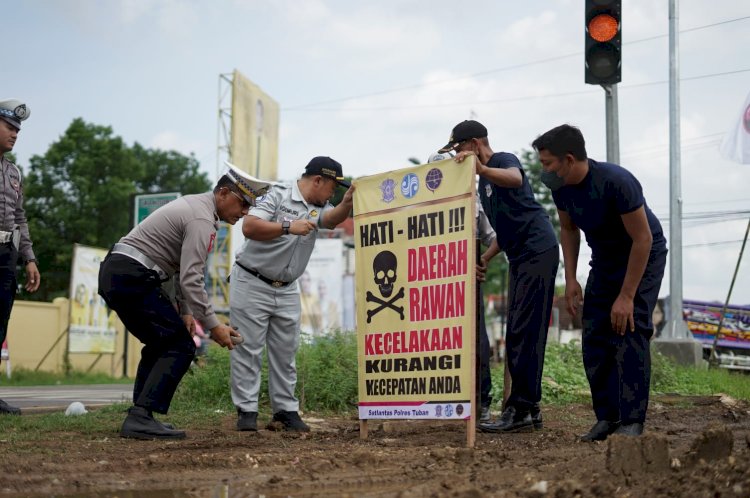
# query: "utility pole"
676 328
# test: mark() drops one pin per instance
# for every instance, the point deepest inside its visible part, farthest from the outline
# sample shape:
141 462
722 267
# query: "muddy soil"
693 447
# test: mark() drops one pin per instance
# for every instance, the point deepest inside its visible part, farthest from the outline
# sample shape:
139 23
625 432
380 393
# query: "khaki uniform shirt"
12 214
283 258
179 237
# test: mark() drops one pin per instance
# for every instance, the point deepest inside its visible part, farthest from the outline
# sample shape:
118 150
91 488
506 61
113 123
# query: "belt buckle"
276 283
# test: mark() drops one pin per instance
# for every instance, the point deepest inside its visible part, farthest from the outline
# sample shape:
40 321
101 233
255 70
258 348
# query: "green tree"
80 191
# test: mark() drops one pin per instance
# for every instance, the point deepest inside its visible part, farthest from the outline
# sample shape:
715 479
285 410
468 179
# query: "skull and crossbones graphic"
384 268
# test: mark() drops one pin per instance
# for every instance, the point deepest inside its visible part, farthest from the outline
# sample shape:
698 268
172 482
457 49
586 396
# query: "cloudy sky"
374 83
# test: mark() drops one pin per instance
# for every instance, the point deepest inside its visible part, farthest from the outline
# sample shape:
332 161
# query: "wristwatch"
285 227
29 261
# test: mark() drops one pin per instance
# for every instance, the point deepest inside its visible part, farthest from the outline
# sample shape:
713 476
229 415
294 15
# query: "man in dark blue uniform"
14 231
628 255
526 235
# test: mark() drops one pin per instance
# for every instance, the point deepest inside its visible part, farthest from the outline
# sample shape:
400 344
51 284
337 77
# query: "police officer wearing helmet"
264 299
175 240
14 230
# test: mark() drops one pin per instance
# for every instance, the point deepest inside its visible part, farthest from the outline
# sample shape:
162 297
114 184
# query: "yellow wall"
35 328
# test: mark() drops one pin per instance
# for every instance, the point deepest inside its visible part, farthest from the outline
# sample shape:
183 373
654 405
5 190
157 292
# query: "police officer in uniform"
264 299
14 231
175 240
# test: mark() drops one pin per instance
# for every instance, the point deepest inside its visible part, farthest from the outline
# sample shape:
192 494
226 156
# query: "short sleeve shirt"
283 258
521 224
596 206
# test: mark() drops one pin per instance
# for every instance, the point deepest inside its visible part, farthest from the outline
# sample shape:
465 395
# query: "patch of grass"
99 423
25 377
668 377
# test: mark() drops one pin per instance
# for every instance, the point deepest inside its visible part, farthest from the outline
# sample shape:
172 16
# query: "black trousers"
618 367
531 289
135 293
484 378
8 285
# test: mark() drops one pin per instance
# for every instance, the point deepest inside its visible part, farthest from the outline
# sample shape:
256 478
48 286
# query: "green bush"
327 373
327 378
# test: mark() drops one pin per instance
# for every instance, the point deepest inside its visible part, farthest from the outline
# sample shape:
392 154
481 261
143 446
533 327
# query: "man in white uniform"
264 299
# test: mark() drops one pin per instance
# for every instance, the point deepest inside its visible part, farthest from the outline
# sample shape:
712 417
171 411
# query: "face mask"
552 181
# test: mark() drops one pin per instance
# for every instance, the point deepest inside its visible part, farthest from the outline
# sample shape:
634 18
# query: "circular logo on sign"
459 410
409 185
434 179
448 410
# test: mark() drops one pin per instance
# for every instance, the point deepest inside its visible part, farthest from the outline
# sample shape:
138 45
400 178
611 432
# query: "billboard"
254 142
414 235
321 289
92 324
703 321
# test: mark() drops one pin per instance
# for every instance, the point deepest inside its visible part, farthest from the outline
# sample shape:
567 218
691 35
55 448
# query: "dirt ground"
694 447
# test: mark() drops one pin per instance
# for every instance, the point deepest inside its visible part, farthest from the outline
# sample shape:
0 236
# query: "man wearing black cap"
14 230
174 241
524 232
264 300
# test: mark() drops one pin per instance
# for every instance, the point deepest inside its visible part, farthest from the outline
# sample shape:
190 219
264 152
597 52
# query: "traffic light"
603 42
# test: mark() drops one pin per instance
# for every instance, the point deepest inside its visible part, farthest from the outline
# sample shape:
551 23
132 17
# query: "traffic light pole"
613 128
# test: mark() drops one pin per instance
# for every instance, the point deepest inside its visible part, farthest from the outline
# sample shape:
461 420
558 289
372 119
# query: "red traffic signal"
603 58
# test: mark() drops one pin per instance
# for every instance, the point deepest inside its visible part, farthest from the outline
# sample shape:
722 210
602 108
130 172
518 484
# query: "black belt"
272 283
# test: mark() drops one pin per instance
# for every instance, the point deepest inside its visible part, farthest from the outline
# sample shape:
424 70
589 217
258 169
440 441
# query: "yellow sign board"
415 246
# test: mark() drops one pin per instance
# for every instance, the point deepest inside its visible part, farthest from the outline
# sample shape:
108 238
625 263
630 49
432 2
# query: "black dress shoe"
291 421
510 421
247 421
635 429
140 424
536 417
6 409
600 431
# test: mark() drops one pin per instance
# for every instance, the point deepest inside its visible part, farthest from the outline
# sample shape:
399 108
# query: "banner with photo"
92 324
703 321
320 287
414 234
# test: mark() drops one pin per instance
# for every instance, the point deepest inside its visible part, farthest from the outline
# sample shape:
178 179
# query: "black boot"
536 417
247 421
510 421
6 409
634 429
140 424
600 431
291 421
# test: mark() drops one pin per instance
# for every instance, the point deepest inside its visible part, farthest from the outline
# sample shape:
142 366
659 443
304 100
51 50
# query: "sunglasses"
245 204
